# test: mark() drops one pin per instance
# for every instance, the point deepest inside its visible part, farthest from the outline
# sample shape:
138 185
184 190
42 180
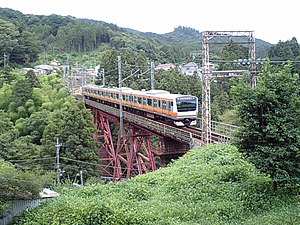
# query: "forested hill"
33 34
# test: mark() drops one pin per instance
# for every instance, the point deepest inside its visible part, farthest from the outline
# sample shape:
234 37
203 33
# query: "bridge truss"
142 143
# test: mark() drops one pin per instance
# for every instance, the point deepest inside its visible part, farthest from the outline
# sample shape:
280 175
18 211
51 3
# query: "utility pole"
120 95
81 178
5 58
152 75
58 145
103 77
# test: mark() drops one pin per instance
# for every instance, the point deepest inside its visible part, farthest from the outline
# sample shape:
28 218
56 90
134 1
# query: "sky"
271 21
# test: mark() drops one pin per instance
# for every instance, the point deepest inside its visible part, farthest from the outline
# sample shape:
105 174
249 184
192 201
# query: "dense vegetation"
209 185
270 115
214 184
34 112
22 37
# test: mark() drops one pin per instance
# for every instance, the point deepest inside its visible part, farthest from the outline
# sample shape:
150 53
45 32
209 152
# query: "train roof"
152 93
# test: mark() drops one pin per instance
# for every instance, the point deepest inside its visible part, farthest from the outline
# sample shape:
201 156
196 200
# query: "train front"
187 110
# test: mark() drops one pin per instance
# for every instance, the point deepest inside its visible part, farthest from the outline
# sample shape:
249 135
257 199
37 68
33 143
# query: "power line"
30 160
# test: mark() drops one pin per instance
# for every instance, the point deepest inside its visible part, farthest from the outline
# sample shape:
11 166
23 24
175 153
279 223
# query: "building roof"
165 66
190 64
44 67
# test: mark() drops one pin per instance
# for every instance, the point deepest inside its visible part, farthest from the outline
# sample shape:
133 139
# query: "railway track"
196 134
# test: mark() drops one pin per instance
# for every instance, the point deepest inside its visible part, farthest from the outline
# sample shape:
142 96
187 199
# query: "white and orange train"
160 105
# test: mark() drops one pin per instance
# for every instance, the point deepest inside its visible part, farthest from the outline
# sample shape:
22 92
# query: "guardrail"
16 208
223 130
220 128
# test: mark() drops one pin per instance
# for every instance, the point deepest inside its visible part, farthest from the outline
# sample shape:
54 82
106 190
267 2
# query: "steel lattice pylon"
208 74
131 156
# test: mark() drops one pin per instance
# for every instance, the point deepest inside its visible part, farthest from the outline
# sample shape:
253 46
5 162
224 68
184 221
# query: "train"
160 105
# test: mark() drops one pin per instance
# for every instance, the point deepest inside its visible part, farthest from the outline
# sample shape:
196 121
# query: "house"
44 69
189 68
167 66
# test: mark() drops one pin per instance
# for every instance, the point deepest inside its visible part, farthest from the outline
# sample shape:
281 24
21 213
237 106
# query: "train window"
139 100
159 104
149 101
171 106
131 98
127 98
155 103
144 101
117 96
168 106
185 104
164 104
135 99
123 97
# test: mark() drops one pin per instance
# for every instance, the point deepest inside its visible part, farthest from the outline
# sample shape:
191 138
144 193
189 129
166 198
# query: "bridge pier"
171 149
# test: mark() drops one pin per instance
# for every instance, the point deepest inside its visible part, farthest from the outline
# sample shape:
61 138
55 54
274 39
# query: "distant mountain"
193 38
69 34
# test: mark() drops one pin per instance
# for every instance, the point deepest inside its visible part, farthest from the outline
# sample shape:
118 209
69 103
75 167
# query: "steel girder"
133 153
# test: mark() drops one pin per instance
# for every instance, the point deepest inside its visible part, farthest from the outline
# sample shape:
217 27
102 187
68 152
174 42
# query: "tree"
32 79
8 38
74 128
7 132
230 53
17 184
284 51
35 125
270 115
21 93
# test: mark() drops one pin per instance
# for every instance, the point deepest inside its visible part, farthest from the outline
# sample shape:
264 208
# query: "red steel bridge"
144 142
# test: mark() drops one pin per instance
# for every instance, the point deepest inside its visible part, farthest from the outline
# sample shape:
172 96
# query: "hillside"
191 39
56 34
209 185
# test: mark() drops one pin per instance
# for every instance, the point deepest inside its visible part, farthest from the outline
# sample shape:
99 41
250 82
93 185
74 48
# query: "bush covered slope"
208 185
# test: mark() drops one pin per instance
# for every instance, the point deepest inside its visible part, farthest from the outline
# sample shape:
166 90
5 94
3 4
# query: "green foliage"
7 132
209 185
74 128
270 115
18 44
18 184
284 51
33 108
233 52
176 82
230 117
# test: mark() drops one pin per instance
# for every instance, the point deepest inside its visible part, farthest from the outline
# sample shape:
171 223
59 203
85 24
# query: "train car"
160 105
